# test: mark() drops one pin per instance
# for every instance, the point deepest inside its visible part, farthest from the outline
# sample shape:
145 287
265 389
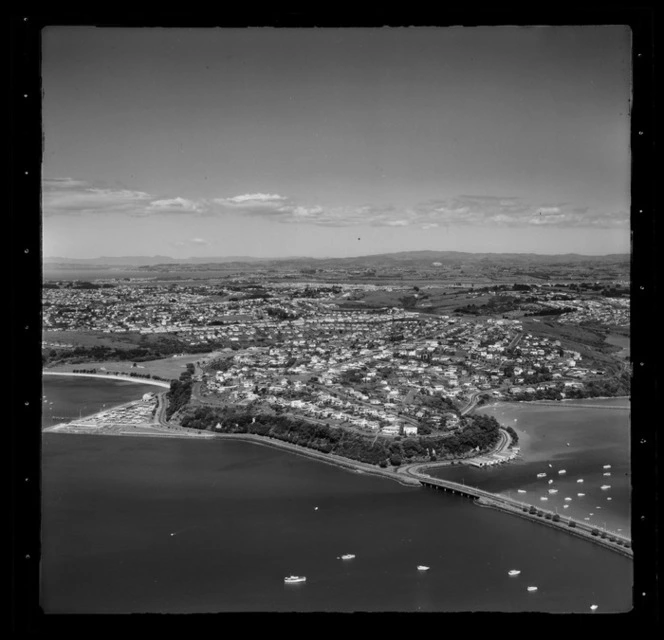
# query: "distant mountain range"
405 258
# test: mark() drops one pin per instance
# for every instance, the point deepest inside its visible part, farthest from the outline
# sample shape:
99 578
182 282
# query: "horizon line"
365 255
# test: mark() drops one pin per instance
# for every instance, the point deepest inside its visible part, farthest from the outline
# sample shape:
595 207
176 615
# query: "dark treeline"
513 433
180 391
480 432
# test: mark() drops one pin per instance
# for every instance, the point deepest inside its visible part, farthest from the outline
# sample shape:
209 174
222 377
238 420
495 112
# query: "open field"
93 339
169 368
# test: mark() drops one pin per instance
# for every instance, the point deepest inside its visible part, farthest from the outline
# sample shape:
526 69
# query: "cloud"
64 196
256 197
67 196
175 205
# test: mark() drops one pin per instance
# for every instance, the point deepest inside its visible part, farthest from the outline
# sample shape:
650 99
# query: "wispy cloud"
68 196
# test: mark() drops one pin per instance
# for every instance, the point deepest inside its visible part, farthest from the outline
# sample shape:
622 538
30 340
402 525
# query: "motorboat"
565 506
421 567
553 490
551 481
609 498
604 487
521 491
606 466
562 472
580 480
568 499
580 495
543 498
541 475
294 579
608 473
532 589
593 607
513 572
348 556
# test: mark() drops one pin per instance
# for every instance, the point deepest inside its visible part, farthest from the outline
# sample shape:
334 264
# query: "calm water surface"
580 441
155 525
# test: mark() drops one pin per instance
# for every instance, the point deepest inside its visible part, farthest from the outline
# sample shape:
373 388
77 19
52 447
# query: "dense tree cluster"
480 431
180 391
513 434
281 314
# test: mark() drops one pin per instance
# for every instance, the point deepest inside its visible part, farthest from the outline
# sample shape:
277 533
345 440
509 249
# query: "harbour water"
581 441
155 525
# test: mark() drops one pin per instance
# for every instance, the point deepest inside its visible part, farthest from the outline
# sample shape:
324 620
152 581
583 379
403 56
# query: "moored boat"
580 495
532 588
593 607
521 491
541 475
562 472
580 480
513 572
348 556
294 579
421 567
606 466
604 487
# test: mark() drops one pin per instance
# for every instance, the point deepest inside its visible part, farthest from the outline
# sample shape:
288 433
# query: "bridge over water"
612 541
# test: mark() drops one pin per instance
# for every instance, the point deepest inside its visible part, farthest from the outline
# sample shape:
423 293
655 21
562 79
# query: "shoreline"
108 376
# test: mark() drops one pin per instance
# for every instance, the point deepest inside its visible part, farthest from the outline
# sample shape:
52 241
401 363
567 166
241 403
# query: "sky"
335 142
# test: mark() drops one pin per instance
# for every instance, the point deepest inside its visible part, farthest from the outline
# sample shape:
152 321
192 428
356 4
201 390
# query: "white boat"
551 481
593 607
532 588
562 472
348 556
521 491
513 572
543 498
580 495
609 498
550 465
604 487
568 499
541 475
294 579
608 473
565 506
553 490
567 443
421 567
606 466
580 480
